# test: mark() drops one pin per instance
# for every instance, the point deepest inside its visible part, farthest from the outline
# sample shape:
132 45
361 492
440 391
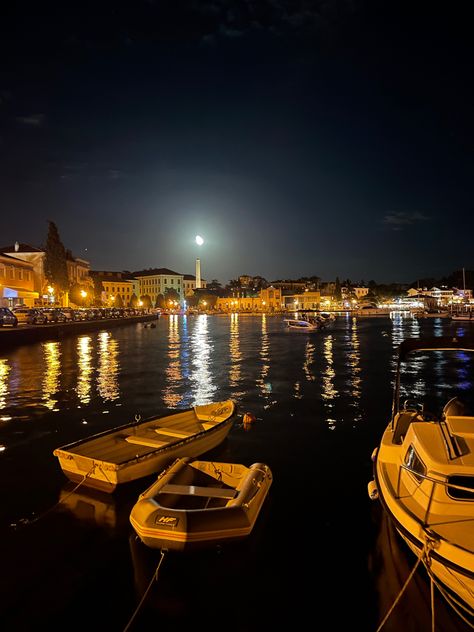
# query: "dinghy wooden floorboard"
142 448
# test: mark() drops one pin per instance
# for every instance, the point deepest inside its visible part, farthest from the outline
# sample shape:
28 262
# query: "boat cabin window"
416 465
462 481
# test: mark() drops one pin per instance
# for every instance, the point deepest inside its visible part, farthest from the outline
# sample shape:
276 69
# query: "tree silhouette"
55 266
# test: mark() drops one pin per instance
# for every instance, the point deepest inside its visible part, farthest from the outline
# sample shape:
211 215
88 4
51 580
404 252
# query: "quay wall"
27 334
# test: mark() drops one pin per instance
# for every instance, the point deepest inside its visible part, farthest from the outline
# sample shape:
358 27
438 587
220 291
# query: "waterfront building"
16 282
308 300
159 281
117 287
271 298
78 272
35 257
249 304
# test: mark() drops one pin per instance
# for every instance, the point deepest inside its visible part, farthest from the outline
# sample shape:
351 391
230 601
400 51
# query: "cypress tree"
55 266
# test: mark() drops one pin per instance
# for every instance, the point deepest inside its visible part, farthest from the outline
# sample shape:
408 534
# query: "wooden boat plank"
181 434
196 490
145 440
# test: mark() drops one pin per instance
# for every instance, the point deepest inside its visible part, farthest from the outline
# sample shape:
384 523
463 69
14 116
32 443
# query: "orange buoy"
248 419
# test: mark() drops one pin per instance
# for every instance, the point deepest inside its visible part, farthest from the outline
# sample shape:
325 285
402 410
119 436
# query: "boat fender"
372 490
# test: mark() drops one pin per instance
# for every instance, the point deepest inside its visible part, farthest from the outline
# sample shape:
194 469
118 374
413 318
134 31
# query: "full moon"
199 240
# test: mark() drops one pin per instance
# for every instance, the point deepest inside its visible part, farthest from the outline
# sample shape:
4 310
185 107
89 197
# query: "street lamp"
51 293
83 294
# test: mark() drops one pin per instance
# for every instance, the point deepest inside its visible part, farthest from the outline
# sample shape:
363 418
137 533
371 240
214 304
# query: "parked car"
30 315
7 317
71 314
54 315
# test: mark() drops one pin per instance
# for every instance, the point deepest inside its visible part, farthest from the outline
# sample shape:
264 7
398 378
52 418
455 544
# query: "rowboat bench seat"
145 440
171 432
195 490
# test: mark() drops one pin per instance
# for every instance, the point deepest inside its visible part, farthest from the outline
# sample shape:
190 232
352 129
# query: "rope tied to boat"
428 546
142 600
23 522
217 471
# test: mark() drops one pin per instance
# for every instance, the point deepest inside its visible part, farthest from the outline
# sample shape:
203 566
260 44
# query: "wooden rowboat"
133 451
194 504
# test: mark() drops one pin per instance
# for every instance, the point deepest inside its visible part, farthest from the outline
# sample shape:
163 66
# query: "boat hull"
181 517
138 450
428 535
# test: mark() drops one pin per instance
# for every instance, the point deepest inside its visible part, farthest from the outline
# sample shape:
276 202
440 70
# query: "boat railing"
435 481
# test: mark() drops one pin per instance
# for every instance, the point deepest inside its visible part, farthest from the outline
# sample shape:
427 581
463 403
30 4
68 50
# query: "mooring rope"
432 605
455 604
424 553
154 578
23 522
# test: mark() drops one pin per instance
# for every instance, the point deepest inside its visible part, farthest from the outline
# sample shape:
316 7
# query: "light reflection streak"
355 371
234 349
107 380
171 396
329 392
85 369
309 361
5 369
262 382
52 360
201 376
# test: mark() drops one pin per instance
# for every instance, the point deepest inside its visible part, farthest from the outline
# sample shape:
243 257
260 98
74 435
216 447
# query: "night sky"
299 138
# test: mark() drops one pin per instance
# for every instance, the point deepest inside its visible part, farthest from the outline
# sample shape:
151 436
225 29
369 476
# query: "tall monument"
198 273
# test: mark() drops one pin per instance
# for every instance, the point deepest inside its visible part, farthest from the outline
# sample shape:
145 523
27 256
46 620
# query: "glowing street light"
83 294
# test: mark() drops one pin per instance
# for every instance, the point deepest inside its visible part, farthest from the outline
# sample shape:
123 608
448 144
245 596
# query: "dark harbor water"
321 555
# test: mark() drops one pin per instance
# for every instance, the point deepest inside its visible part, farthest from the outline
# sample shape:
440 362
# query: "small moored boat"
308 323
424 465
194 504
145 447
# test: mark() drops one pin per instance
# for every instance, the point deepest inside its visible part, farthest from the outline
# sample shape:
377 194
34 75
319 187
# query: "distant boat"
463 316
302 325
135 450
309 323
194 504
432 313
